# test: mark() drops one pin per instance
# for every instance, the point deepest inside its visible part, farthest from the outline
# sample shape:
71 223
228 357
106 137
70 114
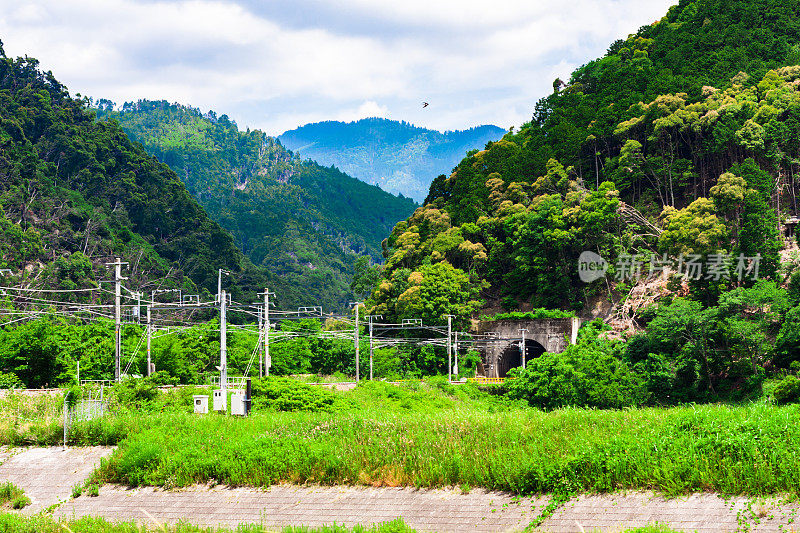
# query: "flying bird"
424 105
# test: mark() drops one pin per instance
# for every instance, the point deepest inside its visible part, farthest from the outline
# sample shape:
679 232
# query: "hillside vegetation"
397 156
683 139
75 193
301 221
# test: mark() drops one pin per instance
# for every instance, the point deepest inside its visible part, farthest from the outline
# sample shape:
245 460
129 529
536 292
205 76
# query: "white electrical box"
220 400
200 403
237 404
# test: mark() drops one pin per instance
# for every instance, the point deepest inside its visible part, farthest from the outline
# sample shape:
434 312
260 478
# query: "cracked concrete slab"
440 510
701 513
48 474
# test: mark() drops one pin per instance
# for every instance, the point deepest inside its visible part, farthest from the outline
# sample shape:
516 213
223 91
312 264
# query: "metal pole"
523 348
455 350
223 345
79 372
260 341
267 359
149 340
358 377
449 348
138 307
370 348
66 418
117 319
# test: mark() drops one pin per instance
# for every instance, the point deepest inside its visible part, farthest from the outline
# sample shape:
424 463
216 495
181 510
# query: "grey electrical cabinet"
200 403
220 400
238 404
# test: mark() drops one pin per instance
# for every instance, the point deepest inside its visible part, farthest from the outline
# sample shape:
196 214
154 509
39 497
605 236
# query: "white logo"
591 267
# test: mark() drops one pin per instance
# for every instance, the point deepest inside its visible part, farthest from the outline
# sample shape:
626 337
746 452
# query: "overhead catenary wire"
177 317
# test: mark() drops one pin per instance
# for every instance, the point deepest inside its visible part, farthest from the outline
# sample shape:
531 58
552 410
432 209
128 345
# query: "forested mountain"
301 221
399 157
75 193
694 121
674 157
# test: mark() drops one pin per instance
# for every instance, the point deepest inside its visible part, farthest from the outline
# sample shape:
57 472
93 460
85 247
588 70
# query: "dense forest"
305 223
681 141
398 156
75 193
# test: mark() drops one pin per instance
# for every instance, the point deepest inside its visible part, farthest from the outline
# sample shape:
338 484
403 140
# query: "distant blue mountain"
397 156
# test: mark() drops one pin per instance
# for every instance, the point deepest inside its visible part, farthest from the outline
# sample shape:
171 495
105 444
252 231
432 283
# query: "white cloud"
370 108
475 62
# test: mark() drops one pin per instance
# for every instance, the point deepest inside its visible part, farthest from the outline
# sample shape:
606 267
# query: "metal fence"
233 383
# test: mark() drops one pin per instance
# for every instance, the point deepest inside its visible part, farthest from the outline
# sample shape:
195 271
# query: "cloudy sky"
278 64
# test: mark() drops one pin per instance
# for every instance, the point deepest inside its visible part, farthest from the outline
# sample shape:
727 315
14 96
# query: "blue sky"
278 64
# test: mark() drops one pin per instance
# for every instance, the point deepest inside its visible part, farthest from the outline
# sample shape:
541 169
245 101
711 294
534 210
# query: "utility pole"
449 347
455 350
371 317
267 360
260 345
117 316
139 310
223 344
355 337
223 335
149 339
523 348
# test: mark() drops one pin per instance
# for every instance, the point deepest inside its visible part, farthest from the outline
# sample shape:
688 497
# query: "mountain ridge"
300 220
398 156
76 193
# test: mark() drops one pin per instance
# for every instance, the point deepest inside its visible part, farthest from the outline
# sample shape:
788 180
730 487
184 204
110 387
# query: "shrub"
136 393
162 378
583 375
794 287
284 394
536 314
14 495
20 501
787 390
787 344
9 380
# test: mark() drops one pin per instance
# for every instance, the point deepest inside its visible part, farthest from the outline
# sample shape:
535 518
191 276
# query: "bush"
787 344
584 375
284 394
136 392
794 287
163 378
536 314
9 380
787 390
14 495
20 501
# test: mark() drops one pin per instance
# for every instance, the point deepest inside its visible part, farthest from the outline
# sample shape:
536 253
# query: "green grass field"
433 434
742 450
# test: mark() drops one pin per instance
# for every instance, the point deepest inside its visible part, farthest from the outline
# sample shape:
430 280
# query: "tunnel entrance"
511 357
